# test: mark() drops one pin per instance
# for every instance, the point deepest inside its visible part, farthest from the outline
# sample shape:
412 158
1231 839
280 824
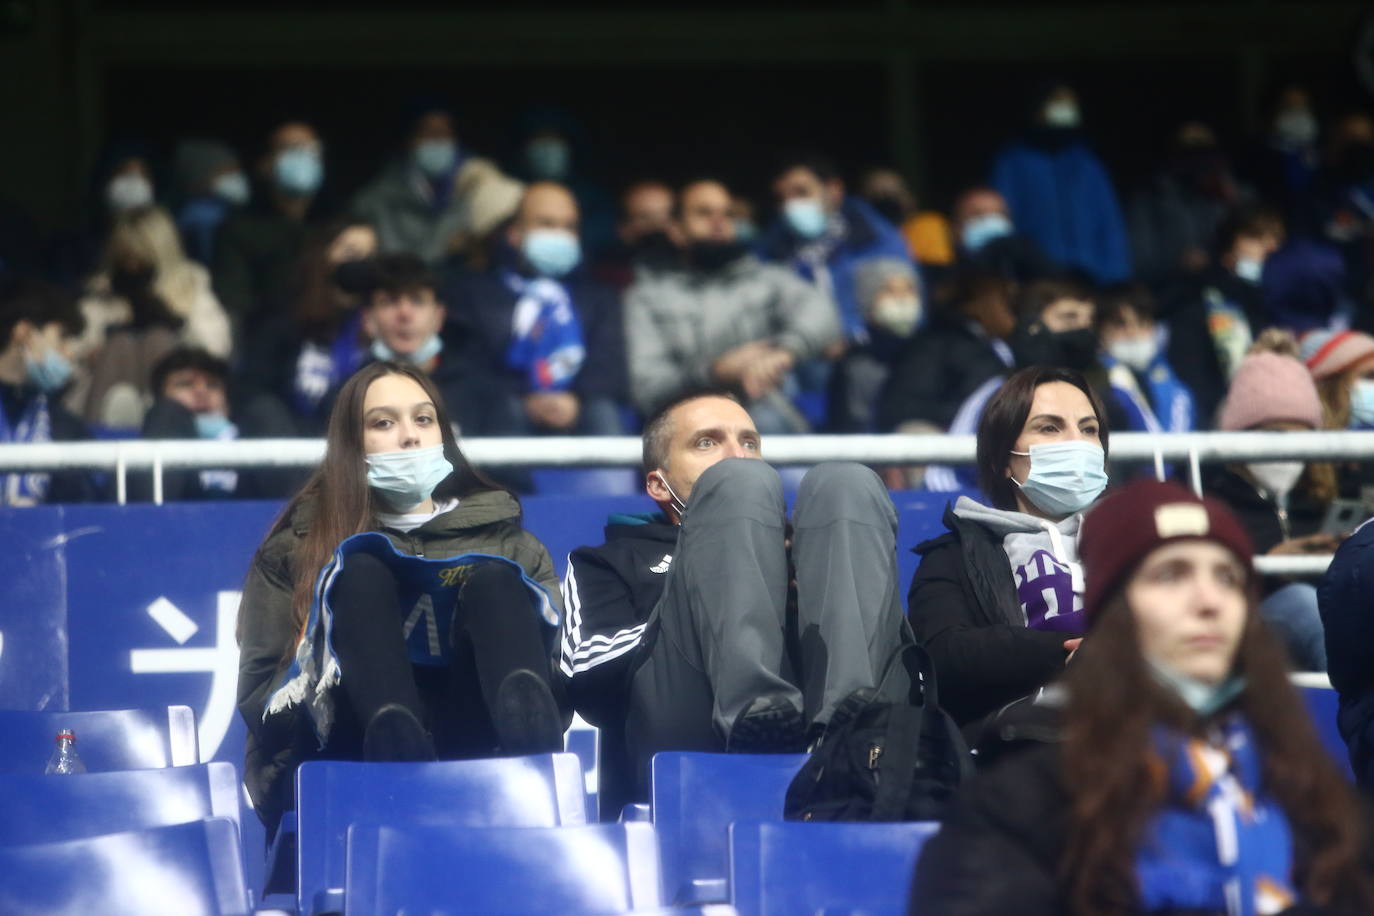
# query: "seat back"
598 868
1324 705
190 869
696 796
109 739
785 867
543 790
44 809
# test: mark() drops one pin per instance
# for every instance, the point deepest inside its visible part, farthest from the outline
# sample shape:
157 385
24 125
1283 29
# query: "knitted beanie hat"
1126 525
1329 353
1267 388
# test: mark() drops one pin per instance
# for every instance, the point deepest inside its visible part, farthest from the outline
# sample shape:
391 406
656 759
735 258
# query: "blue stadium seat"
696 796
47 809
787 867
1324 704
538 791
585 742
190 869
111 739
587 481
598 868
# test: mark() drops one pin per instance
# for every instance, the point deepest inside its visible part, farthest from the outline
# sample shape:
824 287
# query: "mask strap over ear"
678 504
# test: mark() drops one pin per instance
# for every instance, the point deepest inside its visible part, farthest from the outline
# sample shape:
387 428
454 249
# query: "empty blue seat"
599 868
788 867
696 796
110 739
538 791
585 742
43 809
190 869
1324 704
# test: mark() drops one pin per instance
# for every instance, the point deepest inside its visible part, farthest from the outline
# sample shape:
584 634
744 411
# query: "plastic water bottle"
65 760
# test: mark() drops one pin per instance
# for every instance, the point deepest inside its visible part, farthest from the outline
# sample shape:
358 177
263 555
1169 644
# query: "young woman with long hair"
1174 768
397 609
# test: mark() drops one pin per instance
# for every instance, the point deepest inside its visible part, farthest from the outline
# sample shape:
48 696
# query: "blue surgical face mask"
806 216
436 158
426 351
548 158
551 252
407 478
1362 404
1249 269
212 425
980 230
1199 696
1065 477
50 372
299 170
233 187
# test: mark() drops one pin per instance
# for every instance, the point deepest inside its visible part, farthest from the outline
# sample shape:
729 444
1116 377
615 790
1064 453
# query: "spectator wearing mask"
147 298
722 318
211 185
1283 165
304 354
1212 326
1272 392
1174 769
988 242
121 183
998 599
1060 194
1342 366
1345 198
549 338
1142 382
927 232
435 199
646 212
192 402
824 234
960 350
37 327
893 311
259 245
1175 217
554 147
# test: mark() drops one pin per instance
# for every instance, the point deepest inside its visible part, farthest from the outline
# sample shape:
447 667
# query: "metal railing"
1157 451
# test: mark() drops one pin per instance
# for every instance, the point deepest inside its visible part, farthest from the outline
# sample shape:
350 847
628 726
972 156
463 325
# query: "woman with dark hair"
997 600
397 609
1183 776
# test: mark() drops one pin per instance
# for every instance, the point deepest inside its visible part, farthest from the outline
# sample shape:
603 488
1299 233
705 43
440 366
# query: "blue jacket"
1154 400
869 236
1063 199
1343 601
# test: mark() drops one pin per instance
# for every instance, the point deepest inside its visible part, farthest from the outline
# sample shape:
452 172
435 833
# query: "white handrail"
624 451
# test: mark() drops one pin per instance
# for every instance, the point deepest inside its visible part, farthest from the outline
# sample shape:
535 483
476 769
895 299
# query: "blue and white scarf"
33 425
1220 844
321 369
546 335
428 588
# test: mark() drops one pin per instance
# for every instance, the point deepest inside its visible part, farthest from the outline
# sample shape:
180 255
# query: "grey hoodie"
1044 563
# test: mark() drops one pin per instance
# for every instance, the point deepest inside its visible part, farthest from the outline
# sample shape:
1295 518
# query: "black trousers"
495 631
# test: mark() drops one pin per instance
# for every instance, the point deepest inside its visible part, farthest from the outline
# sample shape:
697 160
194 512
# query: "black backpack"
884 761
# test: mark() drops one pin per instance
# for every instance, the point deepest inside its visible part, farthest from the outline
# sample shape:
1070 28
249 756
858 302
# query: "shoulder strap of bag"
901 745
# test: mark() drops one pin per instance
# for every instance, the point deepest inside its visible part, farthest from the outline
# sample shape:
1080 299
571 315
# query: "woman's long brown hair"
338 492
1117 782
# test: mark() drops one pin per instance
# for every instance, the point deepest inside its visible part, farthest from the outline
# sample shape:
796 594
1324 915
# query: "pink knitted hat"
1327 353
1268 387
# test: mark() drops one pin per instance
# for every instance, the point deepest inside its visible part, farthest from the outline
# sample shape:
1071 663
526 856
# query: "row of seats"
143 834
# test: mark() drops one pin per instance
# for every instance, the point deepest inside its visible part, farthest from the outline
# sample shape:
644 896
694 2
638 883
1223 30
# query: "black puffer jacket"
964 611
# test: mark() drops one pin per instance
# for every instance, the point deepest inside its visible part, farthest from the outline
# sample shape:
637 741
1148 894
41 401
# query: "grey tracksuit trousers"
723 633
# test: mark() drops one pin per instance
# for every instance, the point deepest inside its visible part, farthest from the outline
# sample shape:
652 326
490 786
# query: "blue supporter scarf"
319 369
1165 407
428 588
34 425
546 335
1219 844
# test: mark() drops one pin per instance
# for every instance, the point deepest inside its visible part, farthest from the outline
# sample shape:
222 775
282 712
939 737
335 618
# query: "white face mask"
1062 113
896 314
1136 352
408 477
1296 126
1277 477
128 192
1249 269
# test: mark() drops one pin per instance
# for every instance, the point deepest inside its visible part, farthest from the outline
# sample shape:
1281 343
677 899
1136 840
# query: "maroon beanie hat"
1126 525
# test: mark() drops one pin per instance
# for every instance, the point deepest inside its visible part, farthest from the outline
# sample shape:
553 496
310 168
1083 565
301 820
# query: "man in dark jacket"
683 631
549 339
1343 599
